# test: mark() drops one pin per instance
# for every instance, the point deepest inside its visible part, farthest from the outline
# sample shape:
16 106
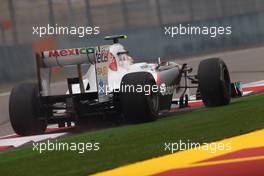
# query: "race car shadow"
96 123
101 122
90 124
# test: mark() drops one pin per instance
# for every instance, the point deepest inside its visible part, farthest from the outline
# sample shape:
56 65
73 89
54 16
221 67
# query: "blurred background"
142 20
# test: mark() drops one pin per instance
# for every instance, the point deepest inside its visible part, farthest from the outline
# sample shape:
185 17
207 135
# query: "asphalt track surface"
245 65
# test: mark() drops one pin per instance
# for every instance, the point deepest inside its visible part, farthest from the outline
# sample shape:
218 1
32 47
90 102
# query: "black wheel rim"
225 81
153 99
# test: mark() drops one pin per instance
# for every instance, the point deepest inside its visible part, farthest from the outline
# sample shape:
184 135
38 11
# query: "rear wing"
97 56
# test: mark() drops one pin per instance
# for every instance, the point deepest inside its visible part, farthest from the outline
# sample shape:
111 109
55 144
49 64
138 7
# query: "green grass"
128 144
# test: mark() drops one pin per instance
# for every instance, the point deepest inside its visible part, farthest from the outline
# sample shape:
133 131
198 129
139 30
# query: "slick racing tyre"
139 106
24 110
214 82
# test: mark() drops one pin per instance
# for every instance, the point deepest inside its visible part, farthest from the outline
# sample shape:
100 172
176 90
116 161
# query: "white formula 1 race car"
113 84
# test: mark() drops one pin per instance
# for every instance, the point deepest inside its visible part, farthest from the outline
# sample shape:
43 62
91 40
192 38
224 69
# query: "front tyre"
25 110
214 82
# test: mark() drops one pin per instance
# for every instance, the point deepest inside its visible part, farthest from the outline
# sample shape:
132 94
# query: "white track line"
50 126
7 136
4 94
257 83
16 142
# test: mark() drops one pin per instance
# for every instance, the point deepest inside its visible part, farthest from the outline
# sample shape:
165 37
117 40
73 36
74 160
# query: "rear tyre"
25 110
214 82
137 107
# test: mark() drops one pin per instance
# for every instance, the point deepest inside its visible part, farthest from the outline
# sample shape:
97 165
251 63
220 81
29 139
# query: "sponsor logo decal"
70 52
